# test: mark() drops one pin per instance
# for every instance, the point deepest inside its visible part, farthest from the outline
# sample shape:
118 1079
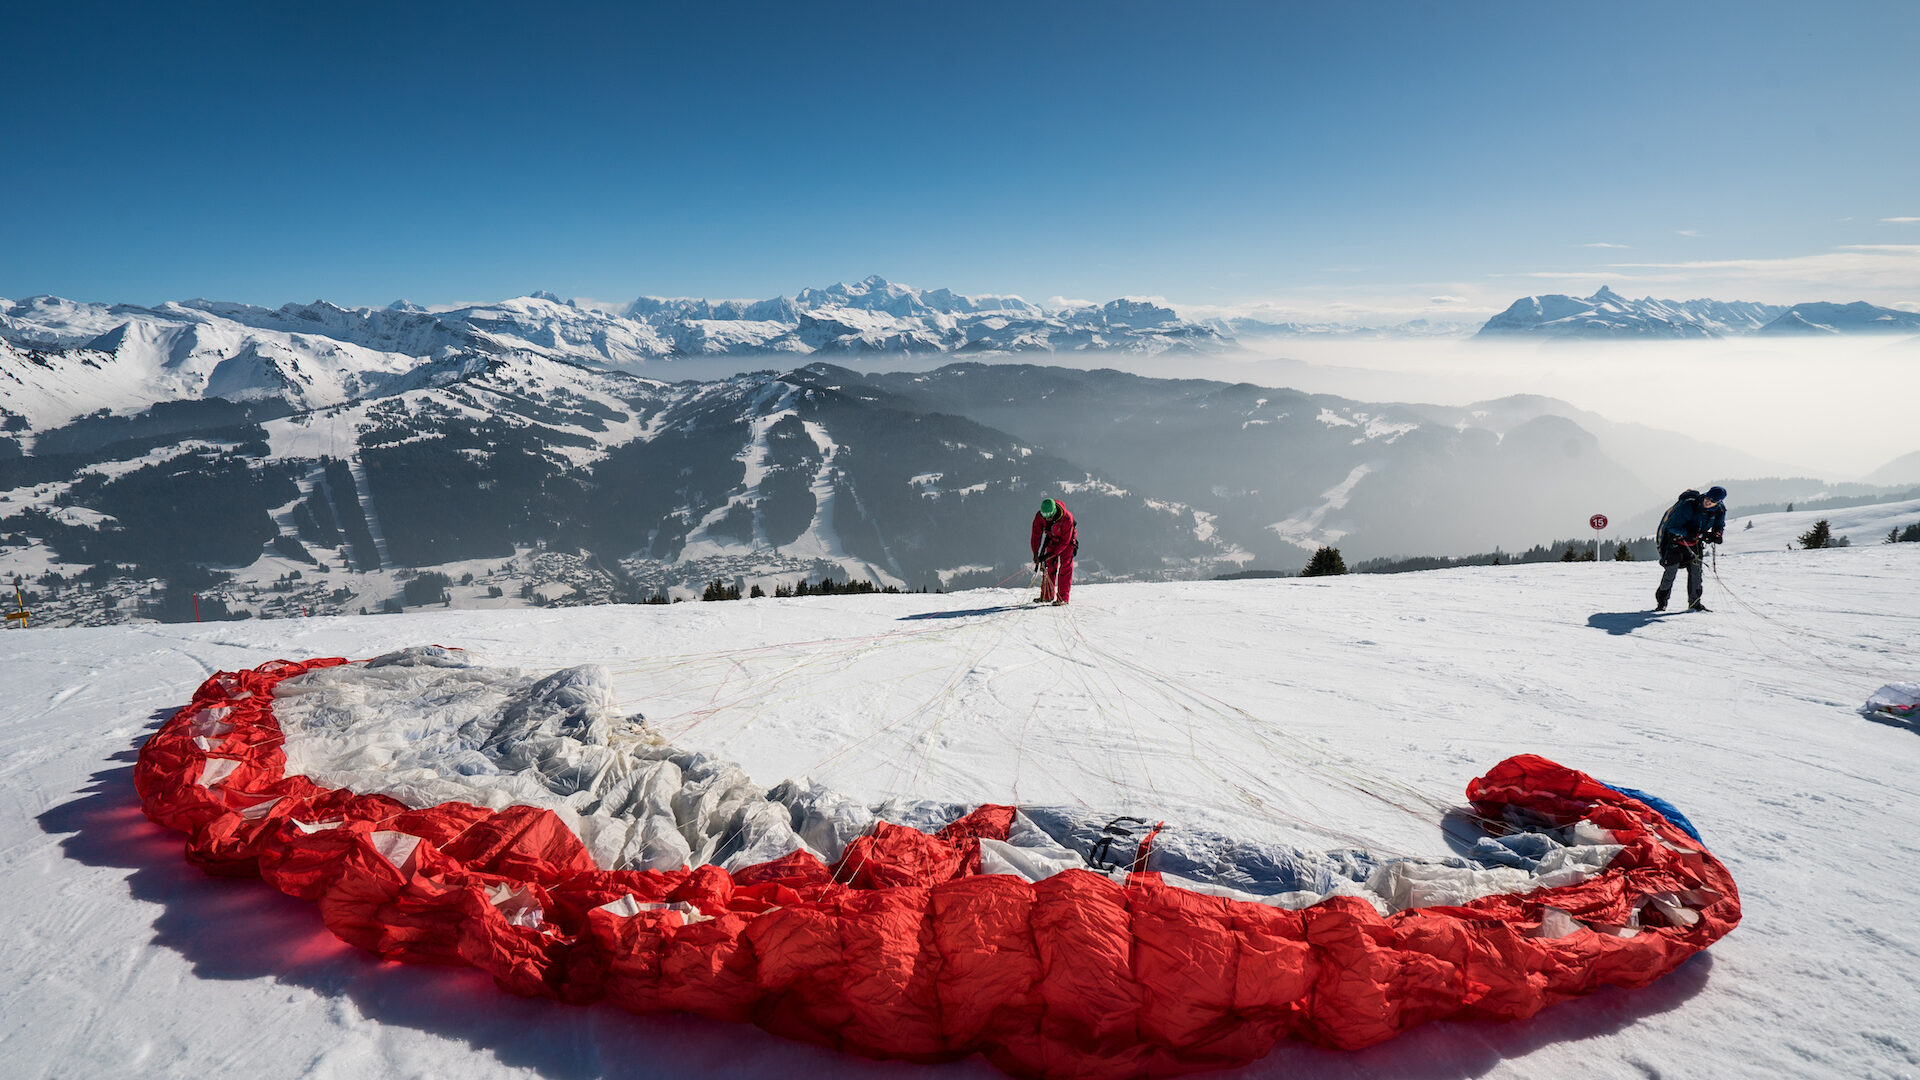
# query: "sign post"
23 614
1598 521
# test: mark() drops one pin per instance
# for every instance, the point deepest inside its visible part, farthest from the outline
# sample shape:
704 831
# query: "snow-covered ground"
1332 712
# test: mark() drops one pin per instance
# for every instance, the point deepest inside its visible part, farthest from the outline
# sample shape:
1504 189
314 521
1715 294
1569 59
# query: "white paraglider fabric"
430 725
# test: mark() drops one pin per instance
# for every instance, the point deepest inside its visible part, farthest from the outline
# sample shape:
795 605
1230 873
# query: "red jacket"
1055 538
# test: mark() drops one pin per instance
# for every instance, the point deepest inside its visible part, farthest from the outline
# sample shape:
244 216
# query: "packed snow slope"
1326 712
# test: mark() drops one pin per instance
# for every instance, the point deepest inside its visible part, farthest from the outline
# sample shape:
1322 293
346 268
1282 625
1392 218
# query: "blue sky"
1351 160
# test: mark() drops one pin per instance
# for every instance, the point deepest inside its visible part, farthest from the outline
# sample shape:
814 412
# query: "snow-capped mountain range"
638 486
61 359
498 441
120 356
531 479
1607 314
918 480
1858 317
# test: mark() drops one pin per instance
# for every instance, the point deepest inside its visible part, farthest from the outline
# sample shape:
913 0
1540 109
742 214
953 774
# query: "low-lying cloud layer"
1836 408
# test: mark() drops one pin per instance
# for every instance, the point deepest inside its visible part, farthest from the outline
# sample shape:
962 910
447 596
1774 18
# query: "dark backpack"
1671 553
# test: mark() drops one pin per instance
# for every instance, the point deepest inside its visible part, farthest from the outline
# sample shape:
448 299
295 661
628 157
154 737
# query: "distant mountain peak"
1858 317
1607 314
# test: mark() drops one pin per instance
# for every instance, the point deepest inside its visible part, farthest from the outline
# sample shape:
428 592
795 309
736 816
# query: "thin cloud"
1604 245
1847 255
1695 233
1901 220
1884 266
1886 271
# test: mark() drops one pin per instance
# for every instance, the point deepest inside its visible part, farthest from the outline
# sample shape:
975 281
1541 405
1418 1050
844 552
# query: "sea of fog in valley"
1835 408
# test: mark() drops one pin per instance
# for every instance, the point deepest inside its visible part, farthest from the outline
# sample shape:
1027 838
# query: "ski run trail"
1331 712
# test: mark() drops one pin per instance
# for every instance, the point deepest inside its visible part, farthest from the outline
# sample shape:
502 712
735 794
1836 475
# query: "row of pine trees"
718 589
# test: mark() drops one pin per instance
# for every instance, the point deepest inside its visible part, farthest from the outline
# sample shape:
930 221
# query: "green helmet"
1049 509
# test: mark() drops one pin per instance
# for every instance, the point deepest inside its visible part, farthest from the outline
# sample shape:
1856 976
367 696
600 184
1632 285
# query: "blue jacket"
1687 520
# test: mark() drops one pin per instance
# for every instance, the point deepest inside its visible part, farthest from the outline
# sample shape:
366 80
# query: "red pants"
1056 578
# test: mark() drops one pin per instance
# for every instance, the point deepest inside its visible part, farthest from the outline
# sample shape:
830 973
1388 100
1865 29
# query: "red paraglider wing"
903 948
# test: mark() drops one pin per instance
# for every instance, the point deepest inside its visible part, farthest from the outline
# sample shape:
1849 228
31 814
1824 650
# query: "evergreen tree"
1817 537
427 588
1325 562
1621 553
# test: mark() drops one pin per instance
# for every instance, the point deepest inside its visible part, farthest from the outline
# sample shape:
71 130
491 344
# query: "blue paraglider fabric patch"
1667 810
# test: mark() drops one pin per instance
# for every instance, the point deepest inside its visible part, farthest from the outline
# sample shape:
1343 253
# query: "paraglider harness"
1101 855
1040 571
1040 557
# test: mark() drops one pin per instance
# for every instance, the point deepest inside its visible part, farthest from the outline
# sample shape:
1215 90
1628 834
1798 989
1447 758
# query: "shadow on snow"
966 614
1907 723
1625 622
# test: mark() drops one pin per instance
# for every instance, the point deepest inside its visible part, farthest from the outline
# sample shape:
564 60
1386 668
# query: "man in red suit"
1053 543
